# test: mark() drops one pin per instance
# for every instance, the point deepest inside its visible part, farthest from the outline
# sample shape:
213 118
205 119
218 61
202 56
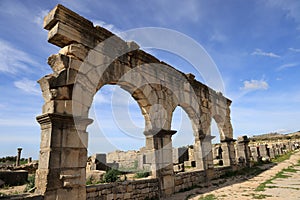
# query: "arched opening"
182 124
224 152
216 144
116 137
184 157
117 120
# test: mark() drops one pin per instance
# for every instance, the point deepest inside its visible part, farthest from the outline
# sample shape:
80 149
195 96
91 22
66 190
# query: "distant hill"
274 136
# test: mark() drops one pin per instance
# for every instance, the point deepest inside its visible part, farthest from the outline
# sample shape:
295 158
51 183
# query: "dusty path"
243 189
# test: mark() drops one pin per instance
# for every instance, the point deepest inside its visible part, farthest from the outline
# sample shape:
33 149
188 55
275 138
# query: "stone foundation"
139 190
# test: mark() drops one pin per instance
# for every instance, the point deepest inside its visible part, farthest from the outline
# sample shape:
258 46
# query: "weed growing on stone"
142 174
260 196
283 157
30 186
208 197
280 174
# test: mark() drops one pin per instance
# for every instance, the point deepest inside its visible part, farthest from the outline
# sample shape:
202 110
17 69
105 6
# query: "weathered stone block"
75 50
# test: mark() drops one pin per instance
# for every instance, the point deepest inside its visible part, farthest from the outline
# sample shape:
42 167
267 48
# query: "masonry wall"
139 190
187 180
126 159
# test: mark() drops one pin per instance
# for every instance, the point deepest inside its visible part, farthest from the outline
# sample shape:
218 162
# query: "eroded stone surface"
92 57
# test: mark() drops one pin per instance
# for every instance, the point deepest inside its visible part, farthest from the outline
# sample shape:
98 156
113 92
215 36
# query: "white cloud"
39 19
28 86
259 52
109 27
289 65
13 60
255 85
294 50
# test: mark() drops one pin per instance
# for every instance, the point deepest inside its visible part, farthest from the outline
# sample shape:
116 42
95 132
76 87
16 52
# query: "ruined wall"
126 159
186 180
139 190
91 57
266 150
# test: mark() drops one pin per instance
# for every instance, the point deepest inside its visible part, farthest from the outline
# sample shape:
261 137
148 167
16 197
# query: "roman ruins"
91 57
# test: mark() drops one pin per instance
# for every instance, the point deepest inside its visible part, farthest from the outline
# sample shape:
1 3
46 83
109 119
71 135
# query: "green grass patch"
208 197
142 174
290 169
280 174
245 171
260 196
263 185
283 157
30 186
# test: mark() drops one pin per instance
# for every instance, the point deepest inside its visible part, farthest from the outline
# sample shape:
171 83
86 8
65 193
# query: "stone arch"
91 57
221 115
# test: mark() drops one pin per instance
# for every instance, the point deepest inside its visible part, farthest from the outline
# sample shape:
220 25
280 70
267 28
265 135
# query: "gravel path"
243 188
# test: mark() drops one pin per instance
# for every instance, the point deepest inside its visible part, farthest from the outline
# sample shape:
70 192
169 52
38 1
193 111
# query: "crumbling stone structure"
91 57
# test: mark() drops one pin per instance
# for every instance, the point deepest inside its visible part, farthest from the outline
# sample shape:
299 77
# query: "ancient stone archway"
91 57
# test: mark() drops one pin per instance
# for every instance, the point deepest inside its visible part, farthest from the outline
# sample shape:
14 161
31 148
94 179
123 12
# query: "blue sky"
255 45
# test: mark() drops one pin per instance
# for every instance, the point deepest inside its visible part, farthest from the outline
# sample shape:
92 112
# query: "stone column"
228 153
243 151
18 157
159 154
198 155
203 152
263 151
63 157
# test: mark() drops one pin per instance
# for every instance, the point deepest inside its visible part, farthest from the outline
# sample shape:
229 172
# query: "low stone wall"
186 180
219 171
139 190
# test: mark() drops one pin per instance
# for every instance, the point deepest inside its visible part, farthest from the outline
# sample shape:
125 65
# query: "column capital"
63 120
228 140
243 139
159 132
206 137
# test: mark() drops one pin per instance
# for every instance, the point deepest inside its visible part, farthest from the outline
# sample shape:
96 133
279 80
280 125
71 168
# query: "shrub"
142 174
111 175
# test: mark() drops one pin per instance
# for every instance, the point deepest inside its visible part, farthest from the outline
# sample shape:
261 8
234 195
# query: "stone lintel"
65 15
159 132
66 27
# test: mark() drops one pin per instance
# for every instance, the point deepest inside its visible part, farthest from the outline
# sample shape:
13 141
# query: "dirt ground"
242 188
13 190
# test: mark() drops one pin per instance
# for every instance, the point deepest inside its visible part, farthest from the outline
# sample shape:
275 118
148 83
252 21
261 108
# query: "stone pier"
92 57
